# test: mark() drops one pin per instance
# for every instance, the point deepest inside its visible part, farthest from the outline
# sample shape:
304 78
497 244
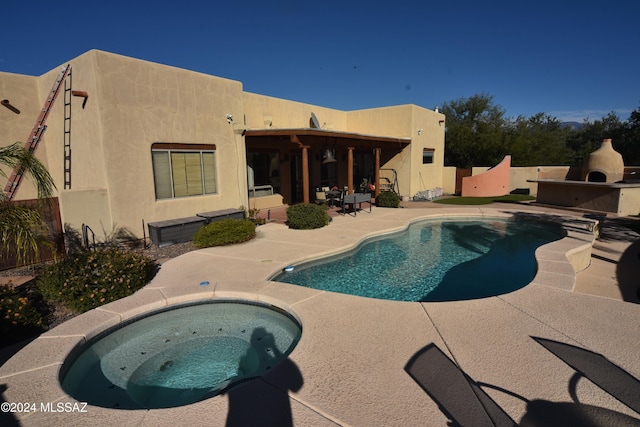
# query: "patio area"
562 348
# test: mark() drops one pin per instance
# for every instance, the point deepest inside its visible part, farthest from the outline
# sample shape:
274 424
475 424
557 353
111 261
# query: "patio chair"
321 197
334 197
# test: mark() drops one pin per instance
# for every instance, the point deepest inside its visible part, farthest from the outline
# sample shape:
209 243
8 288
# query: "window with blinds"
427 156
183 170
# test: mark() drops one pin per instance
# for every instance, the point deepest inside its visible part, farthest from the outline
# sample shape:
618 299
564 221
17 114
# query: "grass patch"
509 198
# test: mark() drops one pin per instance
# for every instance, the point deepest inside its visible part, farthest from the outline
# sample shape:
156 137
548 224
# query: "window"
427 156
265 166
182 170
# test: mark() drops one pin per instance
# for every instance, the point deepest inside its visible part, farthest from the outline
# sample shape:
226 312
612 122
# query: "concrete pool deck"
369 362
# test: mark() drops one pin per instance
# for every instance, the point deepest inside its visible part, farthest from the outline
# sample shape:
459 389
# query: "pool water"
434 260
180 356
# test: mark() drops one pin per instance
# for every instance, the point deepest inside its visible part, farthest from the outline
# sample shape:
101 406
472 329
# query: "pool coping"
242 272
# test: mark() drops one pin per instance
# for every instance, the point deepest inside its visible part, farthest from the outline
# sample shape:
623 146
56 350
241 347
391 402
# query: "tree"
628 141
538 140
586 140
474 135
21 227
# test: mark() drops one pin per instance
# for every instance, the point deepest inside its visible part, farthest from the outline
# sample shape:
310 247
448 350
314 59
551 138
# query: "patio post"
350 170
376 183
305 173
305 167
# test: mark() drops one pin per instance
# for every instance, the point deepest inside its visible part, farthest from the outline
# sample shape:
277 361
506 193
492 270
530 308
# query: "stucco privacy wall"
521 177
493 182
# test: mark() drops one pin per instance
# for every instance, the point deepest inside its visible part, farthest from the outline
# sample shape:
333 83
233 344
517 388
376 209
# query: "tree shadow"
621 229
465 403
627 270
506 260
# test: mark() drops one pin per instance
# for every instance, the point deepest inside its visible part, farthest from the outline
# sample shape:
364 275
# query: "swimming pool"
434 260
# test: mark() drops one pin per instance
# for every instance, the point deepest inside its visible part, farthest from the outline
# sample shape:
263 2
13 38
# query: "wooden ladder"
36 133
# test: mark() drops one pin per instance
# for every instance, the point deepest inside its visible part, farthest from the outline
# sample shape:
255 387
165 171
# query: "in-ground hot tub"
180 355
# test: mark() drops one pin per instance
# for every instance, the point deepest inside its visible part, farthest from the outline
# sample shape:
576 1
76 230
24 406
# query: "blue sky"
571 59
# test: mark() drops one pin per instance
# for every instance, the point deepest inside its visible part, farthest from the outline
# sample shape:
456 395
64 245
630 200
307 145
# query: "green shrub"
19 315
306 216
225 232
89 279
388 199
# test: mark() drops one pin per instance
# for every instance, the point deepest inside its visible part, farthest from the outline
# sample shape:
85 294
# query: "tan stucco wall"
133 104
519 176
426 130
143 103
266 112
424 127
449 179
90 207
22 93
620 199
629 201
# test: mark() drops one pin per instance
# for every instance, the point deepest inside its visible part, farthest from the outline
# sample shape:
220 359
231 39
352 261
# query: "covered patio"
292 162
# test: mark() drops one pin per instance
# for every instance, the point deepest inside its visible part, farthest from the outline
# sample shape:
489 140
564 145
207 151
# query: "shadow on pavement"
465 403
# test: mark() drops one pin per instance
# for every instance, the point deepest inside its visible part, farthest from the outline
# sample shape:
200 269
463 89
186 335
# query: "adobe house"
131 142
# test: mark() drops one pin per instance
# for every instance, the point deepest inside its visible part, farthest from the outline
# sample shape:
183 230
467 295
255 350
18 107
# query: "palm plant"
21 227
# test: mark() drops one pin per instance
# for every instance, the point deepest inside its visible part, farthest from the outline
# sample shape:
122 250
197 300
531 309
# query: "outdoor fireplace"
604 165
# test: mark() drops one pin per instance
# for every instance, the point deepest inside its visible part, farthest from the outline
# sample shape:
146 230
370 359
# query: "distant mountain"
572 125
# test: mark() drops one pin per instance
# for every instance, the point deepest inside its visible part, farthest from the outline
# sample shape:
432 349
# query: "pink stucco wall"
494 182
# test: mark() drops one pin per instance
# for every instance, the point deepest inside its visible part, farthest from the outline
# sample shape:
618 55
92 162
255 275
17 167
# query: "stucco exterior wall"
426 130
133 104
143 103
449 179
22 93
424 127
266 112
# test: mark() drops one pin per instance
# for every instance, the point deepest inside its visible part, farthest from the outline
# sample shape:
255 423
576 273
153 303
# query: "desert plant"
306 216
88 279
252 215
388 199
22 227
224 232
19 315
23 232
